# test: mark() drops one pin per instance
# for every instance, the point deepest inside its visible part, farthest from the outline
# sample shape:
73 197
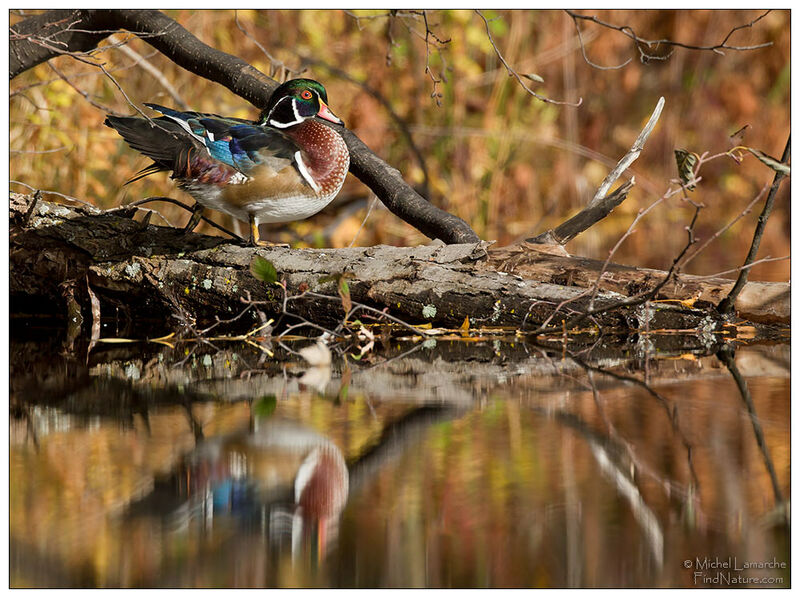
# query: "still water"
486 465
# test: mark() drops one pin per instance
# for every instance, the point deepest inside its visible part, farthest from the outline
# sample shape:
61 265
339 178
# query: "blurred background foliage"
509 164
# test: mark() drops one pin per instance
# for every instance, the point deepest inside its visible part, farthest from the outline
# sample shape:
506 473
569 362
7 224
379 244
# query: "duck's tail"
160 139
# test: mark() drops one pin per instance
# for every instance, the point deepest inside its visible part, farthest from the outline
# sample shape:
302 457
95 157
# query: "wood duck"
285 166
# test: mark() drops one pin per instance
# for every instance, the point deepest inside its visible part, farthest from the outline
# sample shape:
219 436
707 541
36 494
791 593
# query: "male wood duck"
285 166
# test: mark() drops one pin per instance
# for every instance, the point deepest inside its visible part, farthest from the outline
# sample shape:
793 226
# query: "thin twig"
45 192
188 209
640 43
740 268
727 227
148 66
586 58
515 74
275 66
726 356
84 94
373 200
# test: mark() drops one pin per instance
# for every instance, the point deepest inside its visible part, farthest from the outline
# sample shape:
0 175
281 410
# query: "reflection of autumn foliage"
509 494
509 497
507 163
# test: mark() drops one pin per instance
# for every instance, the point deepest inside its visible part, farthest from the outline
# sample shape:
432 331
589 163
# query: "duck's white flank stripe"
304 171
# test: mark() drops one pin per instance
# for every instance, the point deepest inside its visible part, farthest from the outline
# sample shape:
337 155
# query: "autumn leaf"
686 161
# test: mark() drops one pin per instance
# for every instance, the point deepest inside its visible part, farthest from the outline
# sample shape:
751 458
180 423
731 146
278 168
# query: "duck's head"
295 101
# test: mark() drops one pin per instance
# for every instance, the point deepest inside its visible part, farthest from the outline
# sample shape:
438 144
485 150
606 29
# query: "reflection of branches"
606 452
688 496
515 74
642 45
642 513
672 412
395 438
726 356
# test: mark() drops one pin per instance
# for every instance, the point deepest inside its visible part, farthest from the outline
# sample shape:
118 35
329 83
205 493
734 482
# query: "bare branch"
630 157
44 192
726 306
586 58
740 268
601 204
641 43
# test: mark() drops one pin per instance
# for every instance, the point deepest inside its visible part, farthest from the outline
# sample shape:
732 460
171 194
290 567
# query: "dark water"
461 465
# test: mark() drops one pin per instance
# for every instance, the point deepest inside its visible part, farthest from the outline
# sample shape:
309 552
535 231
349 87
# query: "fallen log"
62 255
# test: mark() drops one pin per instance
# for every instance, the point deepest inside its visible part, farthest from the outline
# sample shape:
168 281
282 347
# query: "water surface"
459 465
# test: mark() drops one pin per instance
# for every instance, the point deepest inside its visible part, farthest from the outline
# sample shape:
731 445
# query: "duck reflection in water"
283 479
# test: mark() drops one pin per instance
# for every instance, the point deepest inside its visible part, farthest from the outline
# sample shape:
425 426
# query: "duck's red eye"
306 95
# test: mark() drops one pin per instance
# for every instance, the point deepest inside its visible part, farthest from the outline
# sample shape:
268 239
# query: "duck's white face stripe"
280 125
304 171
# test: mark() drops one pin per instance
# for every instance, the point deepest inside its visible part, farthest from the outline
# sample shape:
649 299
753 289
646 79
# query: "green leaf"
686 161
263 269
773 163
265 406
344 293
533 77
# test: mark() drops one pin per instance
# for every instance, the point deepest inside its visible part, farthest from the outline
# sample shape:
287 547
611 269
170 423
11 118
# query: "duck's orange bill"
325 112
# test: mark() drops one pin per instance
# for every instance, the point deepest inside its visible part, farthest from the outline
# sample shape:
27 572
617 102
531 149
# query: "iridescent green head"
295 101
